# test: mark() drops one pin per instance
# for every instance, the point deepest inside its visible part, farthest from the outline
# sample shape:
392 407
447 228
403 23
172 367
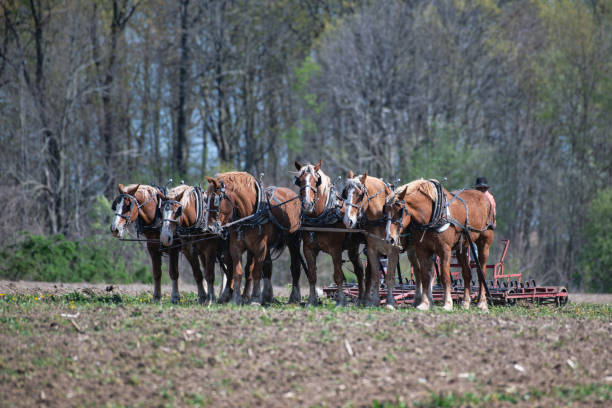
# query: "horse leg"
174 274
155 256
374 278
190 252
353 253
483 243
295 266
258 261
310 254
422 273
294 252
392 259
336 255
466 273
248 284
267 295
226 294
445 278
207 256
414 262
236 254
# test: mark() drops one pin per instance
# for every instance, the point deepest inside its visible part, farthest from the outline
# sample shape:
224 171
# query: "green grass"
82 299
597 392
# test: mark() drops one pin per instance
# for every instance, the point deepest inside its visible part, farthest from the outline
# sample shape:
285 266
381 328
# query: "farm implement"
504 289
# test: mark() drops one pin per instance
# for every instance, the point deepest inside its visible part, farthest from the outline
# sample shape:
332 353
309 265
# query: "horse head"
125 208
219 209
397 215
173 213
355 196
309 179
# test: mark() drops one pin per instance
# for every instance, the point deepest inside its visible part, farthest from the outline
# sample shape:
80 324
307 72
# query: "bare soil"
90 348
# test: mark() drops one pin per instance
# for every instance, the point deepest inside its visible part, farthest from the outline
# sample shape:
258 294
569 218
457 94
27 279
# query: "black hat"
481 182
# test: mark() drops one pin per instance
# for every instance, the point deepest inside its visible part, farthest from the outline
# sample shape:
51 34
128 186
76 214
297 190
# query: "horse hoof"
447 308
175 300
483 307
389 307
423 307
465 305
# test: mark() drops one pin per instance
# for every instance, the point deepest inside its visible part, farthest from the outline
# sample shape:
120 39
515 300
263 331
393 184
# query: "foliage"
596 256
57 259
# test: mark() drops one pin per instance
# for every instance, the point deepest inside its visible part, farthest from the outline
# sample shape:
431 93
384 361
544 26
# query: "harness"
262 215
197 226
140 227
331 212
362 219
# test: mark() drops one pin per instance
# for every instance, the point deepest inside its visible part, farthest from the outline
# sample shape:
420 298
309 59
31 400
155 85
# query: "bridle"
133 202
364 201
390 220
166 207
307 186
216 198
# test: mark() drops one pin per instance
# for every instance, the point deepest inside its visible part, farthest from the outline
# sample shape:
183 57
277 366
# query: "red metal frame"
505 288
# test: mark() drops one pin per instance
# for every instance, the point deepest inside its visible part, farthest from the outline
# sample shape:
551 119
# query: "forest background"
93 93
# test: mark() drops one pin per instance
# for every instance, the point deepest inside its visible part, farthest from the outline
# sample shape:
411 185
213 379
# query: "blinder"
296 181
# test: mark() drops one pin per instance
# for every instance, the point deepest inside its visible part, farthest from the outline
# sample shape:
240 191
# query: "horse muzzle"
166 238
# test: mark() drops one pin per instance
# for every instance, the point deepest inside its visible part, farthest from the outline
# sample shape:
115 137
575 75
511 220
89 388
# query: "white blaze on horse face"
167 231
118 225
350 214
307 198
388 228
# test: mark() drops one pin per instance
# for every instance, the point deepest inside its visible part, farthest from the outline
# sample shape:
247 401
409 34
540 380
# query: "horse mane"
185 199
146 190
241 181
422 185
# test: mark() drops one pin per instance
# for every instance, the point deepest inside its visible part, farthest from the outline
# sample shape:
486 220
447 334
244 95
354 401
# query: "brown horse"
260 222
365 198
439 226
322 208
140 204
186 213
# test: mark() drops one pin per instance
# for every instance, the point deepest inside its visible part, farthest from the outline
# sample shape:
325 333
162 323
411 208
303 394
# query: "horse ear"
132 191
402 194
121 188
161 196
351 174
212 182
179 196
298 165
364 177
318 166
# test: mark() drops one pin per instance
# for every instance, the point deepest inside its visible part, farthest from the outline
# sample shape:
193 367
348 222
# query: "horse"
186 212
322 207
397 230
139 203
365 198
260 222
439 222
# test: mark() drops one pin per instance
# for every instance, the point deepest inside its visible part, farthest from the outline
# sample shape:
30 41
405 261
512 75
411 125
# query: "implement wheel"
510 301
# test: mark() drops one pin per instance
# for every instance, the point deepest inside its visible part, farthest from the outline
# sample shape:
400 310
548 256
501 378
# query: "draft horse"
139 204
257 221
321 207
439 222
185 214
365 198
